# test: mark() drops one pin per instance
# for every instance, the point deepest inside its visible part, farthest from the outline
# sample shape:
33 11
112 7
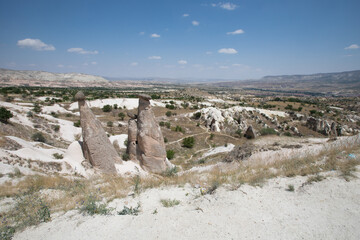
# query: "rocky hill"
41 78
341 83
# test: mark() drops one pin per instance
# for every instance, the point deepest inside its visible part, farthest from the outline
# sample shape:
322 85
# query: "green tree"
5 115
188 142
170 154
121 115
107 108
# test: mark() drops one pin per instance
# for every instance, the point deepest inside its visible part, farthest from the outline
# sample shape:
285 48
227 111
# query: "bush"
238 132
130 211
169 202
188 142
58 156
125 157
179 129
162 124
5 115
77 123
268 131
121 115
197 115
107 108
38 137
37 108
168 113
170 106
109 124
91 206
56 128
170 154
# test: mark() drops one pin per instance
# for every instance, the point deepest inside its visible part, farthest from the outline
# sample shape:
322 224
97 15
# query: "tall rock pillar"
97 147
151 146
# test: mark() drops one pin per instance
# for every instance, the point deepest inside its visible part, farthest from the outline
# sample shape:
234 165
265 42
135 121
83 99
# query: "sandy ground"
326 210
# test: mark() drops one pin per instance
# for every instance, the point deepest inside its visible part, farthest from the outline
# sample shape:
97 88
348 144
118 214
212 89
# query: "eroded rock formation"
97 147
132 138
250 133
151 146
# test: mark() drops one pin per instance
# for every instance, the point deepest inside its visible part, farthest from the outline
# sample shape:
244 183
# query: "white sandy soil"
326 210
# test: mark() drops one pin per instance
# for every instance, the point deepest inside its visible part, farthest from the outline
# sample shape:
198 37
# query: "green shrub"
165 140
162 124
170 106
290 188
211 136
37 108
169 172
168 113
121 115
130 211
188 142
125 157
268 131
197 115
56 128
168 125
169 203
58 156
38 137
7 232
170 154
92 206
109 124
107 108
5 115
77 123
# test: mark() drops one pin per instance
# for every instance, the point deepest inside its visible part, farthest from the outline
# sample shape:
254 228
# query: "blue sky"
181 38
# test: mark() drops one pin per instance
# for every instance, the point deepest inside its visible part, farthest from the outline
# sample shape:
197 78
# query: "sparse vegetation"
268 131
107 108
91 205
38 137
170 154
58 156
5 115
169 203
130 211
188 142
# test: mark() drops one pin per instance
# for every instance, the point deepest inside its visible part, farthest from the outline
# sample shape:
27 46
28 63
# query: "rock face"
151 147
97 147
323 126
132 138
250 133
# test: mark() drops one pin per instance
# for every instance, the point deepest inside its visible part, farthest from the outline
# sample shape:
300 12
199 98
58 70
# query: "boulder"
240 153
97 147
250 133
151 146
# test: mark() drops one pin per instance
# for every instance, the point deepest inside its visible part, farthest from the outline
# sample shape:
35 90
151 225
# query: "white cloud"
224 67
93 63
195 23
60 65
154 35
134 64
228 6
141 33
182 62
352 46
227 51
236 32
154 57
208 53
81 51
186 15
35 44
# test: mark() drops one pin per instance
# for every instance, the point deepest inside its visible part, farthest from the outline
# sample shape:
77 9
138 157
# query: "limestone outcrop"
151 147
97 147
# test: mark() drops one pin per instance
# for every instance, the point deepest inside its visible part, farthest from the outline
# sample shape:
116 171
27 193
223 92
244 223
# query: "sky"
189 39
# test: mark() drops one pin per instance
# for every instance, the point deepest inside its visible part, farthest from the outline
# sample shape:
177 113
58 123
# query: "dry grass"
72 191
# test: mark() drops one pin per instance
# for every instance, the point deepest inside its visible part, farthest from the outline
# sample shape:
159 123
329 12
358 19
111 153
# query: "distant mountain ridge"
337 77
11 75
